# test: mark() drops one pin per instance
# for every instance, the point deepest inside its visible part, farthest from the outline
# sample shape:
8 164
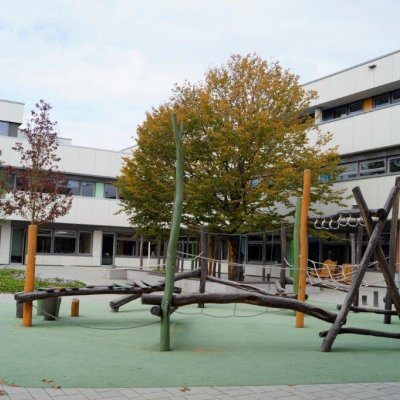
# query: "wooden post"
173 240
141 252
30 274
359 242
203 263
158 253
303 244
264 255
296 246
392 252
75 308
282 277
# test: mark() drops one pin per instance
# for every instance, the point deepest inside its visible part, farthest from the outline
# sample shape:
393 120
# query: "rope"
95 327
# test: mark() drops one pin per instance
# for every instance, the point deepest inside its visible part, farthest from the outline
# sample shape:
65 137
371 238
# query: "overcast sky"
102 64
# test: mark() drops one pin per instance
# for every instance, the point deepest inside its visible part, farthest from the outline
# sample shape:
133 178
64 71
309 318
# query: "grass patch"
12 281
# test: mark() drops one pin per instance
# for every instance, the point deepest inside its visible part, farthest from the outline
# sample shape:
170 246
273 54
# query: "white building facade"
93 233
361 107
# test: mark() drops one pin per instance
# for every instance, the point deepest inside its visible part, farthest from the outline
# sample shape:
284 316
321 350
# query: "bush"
12 281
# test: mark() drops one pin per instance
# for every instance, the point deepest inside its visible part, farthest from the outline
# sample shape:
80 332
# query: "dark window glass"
355 107
43 241
327 115
374 167
88 189
339 112
394 164
110 191
382 100
396 96
125 245
64 242
350 172
74 187
85 242
254 252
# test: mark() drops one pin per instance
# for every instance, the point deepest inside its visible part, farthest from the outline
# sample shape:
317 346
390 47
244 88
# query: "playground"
225 345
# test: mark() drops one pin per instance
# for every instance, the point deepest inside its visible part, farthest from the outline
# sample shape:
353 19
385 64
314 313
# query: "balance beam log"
56 292
365 332
369 310
248 298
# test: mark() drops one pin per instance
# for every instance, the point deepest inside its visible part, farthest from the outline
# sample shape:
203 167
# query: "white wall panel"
11 111
374 129
357 79
5 242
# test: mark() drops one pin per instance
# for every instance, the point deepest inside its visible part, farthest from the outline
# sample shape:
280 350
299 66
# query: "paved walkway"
376 391
387 391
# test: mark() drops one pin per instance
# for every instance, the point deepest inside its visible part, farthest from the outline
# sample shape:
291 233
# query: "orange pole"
305 204
30 274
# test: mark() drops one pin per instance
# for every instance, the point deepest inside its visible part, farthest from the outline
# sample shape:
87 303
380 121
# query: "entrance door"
17 245
107 254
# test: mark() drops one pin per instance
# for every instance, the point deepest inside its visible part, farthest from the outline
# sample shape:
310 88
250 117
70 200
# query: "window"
74 187
4 128
125 245
396 96
79 188
394 164
339 112
355 107
85 242
350 172
382 100
374 167
88 189
43 241
110 191
64 242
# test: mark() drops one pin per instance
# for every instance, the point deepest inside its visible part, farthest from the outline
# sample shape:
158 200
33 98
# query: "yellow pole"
30 274
305 204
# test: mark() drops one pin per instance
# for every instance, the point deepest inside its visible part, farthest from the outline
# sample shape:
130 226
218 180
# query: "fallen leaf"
56 387
46 380
185 389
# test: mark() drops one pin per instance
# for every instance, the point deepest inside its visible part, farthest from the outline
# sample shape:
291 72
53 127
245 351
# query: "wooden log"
51 307
373 241
242 286
116 304
379 254
392 251
248 298
156 310
366 332
369 310
75 308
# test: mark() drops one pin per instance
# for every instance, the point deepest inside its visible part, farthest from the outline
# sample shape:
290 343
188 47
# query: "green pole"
173 240
296 246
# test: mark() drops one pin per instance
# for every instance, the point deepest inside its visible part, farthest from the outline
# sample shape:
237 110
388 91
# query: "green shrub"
12 281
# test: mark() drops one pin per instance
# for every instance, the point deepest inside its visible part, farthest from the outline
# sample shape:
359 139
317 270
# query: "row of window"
356 107
378 166
88 189
55 241
80 188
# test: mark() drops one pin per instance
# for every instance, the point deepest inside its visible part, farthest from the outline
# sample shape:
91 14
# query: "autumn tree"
40 192
246 144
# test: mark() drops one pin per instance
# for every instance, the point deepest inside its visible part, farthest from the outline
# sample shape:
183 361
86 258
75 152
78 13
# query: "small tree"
40 193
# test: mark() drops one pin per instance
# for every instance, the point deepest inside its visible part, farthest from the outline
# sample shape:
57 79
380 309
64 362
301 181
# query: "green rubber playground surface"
217 350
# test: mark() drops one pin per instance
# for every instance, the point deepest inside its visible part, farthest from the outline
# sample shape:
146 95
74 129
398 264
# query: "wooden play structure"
171 299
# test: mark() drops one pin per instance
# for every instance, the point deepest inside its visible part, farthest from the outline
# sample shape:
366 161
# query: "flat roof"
349 68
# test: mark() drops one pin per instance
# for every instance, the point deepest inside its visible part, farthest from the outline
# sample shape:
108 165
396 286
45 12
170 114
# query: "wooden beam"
373 241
